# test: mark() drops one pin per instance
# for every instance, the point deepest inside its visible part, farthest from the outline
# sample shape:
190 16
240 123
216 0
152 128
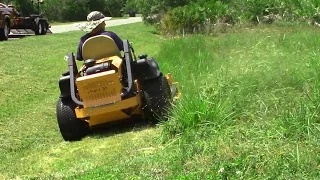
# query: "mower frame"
142 78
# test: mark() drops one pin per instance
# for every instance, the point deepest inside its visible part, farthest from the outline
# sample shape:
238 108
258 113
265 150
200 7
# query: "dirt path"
72 27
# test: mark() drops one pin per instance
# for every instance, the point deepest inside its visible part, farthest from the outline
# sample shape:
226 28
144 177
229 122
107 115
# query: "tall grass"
250 104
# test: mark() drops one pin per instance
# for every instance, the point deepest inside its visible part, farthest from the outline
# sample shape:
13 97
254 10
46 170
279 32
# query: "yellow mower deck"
110 112
105 113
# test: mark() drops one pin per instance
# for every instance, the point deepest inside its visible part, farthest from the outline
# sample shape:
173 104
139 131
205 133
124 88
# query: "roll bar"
73 69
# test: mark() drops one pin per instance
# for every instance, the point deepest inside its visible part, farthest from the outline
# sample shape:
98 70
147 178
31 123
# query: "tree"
25 7
75 10
69 10
131 5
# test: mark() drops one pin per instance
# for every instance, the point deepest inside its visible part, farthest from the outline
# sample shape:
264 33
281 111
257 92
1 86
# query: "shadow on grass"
155 32
16 37
120 127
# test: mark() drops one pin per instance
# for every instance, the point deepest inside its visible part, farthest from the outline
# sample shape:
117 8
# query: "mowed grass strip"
249 109
29 90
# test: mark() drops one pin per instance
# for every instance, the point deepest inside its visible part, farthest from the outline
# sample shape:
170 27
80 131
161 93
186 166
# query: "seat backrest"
98 47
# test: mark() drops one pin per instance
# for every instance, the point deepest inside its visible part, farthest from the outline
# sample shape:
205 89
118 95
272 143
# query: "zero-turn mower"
111 86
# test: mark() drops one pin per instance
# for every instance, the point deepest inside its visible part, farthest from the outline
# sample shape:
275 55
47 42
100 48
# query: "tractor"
111 86
33 24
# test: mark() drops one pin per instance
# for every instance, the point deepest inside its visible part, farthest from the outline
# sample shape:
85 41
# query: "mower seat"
98 47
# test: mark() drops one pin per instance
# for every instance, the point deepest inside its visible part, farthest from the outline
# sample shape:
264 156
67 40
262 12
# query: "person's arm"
117 40
79 52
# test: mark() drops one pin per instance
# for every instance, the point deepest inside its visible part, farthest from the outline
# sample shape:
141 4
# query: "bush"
131 5
112 7
25 7
74 10
153 10
202 16
193 17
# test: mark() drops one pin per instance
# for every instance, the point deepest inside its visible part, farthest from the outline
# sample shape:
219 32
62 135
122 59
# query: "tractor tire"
40 28
71 128
156 99
4 32
45 28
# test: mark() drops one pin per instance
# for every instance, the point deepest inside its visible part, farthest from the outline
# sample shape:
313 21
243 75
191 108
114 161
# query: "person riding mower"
109 87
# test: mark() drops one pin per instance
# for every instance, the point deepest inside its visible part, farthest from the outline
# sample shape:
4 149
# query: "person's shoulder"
108 33
84 37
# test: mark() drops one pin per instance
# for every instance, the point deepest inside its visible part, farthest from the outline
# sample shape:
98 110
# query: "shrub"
153 10
193 17
70 10
200 16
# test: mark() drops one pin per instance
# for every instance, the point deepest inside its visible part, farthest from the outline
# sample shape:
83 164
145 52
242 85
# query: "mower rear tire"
156 99
71 128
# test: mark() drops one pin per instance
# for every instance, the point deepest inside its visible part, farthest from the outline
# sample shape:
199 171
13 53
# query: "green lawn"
250 109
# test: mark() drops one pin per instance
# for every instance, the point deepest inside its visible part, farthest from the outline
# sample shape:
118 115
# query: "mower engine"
91 67
100 84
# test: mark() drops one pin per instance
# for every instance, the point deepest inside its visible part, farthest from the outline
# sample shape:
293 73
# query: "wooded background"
180 15
69 10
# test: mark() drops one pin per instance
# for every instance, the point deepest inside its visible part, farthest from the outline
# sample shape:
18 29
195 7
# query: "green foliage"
193 17
152 10
131 5
56 10
25 7
70 10
73 10
288 10
197 15
112 7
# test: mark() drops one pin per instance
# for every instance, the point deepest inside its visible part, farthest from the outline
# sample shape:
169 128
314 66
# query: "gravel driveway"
72 27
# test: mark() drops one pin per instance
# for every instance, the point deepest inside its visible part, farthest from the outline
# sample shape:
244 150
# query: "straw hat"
94 19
